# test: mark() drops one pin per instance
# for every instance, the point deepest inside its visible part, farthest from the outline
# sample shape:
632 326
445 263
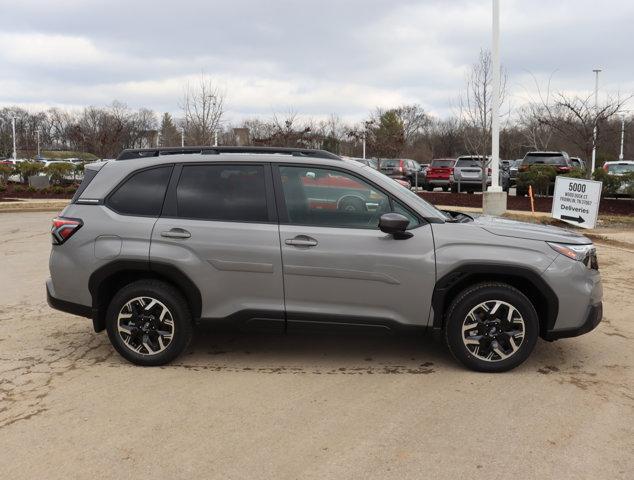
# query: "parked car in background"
578 163
438 172
402 169
620 168
370 162
467 175
559 160
512 167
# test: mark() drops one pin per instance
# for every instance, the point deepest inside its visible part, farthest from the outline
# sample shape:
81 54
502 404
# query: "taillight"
64 228
400 166
489 171
565 169
605 167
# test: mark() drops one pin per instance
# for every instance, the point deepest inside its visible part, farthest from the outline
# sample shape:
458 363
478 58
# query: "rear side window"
89 174
142 193
223 193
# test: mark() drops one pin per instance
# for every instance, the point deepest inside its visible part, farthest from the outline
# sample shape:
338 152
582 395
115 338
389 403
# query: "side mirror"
395 224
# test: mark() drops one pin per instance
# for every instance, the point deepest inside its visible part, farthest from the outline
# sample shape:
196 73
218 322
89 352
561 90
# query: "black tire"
454 189
445 188
520 192
474 296
178 310
429 188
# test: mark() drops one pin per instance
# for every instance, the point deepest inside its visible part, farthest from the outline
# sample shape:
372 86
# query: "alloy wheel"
145 325
493 330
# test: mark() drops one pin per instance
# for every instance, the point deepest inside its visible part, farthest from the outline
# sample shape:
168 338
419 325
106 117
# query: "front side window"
222 192
142 193
330 198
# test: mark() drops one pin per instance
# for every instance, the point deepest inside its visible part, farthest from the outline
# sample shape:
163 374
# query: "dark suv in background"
560 161
401 169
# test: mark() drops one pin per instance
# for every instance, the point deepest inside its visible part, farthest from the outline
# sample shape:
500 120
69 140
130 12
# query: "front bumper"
580 294
593 318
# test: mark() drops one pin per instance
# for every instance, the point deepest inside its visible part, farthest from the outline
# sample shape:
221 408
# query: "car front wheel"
491 327
149 323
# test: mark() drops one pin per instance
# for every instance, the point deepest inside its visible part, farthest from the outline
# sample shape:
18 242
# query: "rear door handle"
176 233
301 241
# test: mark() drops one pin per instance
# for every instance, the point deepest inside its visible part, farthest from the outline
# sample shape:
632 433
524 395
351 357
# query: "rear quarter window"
142 193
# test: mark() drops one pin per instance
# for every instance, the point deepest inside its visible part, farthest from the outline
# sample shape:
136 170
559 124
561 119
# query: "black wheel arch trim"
460 277
158 270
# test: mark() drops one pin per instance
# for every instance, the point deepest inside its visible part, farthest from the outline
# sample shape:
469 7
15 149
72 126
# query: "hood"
529 231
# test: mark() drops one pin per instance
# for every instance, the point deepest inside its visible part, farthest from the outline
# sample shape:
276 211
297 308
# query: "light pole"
364 144
622 135
182 137
494 199
38 142
495 98
215 138
15 153
594 130
158 139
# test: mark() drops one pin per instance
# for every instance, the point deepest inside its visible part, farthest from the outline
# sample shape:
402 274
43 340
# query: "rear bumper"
437 181
594 315
65 306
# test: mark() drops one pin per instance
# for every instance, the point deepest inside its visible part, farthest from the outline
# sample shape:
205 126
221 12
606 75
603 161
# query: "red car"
438 173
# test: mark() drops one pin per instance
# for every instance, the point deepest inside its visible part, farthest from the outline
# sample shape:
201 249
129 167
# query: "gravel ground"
284 407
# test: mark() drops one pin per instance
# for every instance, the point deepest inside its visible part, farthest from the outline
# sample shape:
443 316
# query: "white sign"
576 201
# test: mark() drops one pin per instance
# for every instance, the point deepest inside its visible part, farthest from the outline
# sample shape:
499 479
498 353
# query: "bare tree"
574 118
475 104
203 107
415 121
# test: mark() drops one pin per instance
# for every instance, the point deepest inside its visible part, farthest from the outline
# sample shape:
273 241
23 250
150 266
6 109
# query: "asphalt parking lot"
285 407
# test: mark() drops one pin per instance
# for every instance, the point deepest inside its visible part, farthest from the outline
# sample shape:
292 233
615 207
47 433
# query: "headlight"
582 253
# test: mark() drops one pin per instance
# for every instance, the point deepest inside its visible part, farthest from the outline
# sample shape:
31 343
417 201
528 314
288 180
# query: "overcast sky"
314 57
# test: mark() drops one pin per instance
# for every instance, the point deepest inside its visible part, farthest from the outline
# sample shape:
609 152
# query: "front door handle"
176 233
301 241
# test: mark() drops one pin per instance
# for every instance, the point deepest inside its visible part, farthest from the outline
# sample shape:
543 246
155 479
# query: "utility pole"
364 144
182 136
495 106
215 138
158 139
494 199
622 135
15 153
38 142
594 131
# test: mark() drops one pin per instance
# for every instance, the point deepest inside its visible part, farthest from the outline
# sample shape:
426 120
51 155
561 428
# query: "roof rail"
131 153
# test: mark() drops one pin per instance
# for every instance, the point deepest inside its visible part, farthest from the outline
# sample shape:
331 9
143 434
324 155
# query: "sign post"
576 201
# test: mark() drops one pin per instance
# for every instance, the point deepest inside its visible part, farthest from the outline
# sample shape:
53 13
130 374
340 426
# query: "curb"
43 205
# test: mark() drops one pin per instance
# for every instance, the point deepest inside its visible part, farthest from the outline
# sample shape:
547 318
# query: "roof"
137 153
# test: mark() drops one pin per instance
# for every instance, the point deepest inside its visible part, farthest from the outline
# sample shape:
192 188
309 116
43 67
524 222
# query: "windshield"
442 163
545 158
412 198
621 168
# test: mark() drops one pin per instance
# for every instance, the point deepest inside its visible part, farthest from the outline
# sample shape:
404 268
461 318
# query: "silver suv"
467 175
159 240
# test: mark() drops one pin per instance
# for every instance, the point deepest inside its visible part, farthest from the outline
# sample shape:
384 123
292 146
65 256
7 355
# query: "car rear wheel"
149 323
445 188
491 327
